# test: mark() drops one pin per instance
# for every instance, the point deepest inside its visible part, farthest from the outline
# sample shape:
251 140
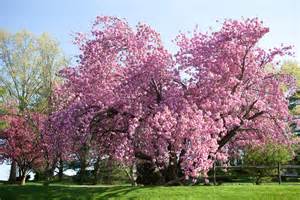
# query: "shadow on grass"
36 192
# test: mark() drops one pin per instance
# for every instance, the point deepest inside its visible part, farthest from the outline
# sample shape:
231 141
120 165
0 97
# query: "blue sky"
61 18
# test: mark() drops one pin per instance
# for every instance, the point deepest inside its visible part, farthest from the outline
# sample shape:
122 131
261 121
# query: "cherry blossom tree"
54 145
21 142
130 99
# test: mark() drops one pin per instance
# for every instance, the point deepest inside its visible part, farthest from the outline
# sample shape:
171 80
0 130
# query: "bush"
268 155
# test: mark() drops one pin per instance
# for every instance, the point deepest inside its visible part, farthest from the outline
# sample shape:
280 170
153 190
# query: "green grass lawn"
232 192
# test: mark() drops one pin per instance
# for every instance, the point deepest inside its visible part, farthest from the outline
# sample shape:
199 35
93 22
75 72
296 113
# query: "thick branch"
231 133
142 156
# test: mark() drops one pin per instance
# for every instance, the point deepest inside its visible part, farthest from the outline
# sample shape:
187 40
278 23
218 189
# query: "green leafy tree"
292 68
28 65
266 156
3 111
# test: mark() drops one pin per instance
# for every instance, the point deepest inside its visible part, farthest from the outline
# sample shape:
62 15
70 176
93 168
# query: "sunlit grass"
60 192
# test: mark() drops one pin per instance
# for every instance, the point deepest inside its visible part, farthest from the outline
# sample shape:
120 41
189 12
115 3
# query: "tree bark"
82 172
172 169
49 173
60 170
96 171
279 173
23 179
13 171
109 171
133 174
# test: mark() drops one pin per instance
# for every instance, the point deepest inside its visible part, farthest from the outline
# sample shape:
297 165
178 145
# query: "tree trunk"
49 173
19 174
109 171
258 180
23 179
13 171
60 170
279 173
172 169
82 172
37 175
133 175
51 170
96 171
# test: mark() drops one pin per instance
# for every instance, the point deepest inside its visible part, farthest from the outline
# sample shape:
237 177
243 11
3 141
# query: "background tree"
292 68
28 64
268 155
22 142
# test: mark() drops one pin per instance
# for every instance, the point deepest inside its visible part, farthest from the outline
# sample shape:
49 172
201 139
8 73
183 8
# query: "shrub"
266 157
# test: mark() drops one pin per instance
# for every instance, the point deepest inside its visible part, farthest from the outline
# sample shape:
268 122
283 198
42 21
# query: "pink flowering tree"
229 80
172 117
55 147
21 142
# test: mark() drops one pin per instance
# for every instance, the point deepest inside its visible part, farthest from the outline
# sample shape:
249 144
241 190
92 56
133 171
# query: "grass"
224 192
